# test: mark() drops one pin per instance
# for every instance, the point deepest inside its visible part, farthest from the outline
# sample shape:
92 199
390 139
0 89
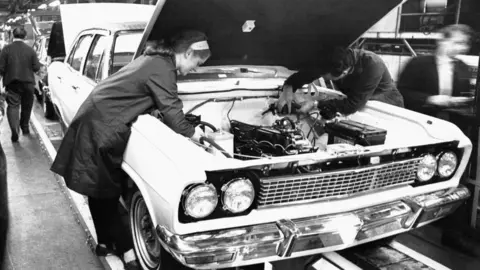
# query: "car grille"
335 184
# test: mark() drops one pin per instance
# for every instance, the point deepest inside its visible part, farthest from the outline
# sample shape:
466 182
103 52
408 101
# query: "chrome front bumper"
300 237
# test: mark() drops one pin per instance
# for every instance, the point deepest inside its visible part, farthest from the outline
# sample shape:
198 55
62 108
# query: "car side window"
94 57
80 52
126 45
100 67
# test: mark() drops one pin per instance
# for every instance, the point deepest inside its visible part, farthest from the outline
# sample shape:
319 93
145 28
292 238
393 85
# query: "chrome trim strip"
290 231
310 235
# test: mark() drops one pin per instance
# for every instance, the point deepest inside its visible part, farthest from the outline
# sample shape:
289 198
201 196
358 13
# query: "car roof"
123 26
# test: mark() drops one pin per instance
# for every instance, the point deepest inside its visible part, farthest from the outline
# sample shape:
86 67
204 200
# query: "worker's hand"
286 98
198 134
307 106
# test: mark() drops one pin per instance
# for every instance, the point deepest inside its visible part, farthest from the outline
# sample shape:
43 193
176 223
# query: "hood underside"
289 33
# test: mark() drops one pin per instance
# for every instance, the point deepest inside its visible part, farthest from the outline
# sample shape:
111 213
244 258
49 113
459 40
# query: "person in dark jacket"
91 152
18 63
361 75
428 82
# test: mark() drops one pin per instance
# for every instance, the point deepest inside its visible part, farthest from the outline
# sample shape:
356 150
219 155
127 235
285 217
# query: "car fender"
158 216
160 171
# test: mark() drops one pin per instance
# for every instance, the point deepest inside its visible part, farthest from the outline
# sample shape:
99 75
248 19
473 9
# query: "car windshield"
225 72
126 44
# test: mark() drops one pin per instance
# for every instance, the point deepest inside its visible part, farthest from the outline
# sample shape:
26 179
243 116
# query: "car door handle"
75 87
59 78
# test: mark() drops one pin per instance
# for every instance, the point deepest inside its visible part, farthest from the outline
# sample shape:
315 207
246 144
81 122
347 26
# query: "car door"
69 77
59 76
93 70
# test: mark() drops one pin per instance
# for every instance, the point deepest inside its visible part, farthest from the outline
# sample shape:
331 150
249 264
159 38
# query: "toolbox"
355 133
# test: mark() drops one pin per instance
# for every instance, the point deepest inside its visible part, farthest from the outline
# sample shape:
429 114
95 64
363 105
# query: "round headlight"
238 195
200 201
427 168
447 163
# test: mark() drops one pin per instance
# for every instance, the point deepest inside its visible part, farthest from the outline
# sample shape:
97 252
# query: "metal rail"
393 254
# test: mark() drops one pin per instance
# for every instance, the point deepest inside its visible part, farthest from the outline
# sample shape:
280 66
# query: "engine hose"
214 129
212 142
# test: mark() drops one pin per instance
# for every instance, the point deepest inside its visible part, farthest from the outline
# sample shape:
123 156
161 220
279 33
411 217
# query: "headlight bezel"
218 179
438 151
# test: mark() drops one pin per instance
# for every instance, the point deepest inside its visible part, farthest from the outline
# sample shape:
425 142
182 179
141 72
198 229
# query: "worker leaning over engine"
361 75
91 152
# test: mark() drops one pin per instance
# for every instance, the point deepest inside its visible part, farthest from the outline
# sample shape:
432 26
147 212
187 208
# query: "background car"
54 52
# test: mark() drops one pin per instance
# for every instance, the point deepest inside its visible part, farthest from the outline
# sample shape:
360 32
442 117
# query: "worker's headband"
200 46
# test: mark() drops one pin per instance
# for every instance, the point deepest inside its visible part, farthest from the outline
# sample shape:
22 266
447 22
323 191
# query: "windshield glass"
126 44
225 72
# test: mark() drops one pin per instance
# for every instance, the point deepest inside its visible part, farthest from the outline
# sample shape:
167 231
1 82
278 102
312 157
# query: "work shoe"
25 131
132 265
102 250
15 137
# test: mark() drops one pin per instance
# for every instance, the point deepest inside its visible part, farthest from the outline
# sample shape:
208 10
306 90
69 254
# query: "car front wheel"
147 246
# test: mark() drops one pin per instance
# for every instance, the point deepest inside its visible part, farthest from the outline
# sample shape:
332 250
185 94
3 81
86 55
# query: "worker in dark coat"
361 75
91 152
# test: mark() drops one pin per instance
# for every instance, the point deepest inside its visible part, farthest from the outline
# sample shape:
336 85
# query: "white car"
262 186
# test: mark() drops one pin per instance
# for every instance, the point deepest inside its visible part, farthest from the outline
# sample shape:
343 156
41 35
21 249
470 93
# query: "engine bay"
284 135
280 139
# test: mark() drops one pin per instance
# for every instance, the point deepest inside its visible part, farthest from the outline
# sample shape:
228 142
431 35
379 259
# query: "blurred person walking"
432 84
18 63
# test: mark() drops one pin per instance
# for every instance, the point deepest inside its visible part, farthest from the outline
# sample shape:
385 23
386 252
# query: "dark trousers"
3 205
19 96
111 228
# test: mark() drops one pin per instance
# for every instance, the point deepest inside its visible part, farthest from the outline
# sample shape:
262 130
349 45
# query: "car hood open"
289 33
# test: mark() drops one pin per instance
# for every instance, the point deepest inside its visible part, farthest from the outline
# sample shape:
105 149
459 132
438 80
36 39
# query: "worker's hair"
19 32
336 60
448 31
179 43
